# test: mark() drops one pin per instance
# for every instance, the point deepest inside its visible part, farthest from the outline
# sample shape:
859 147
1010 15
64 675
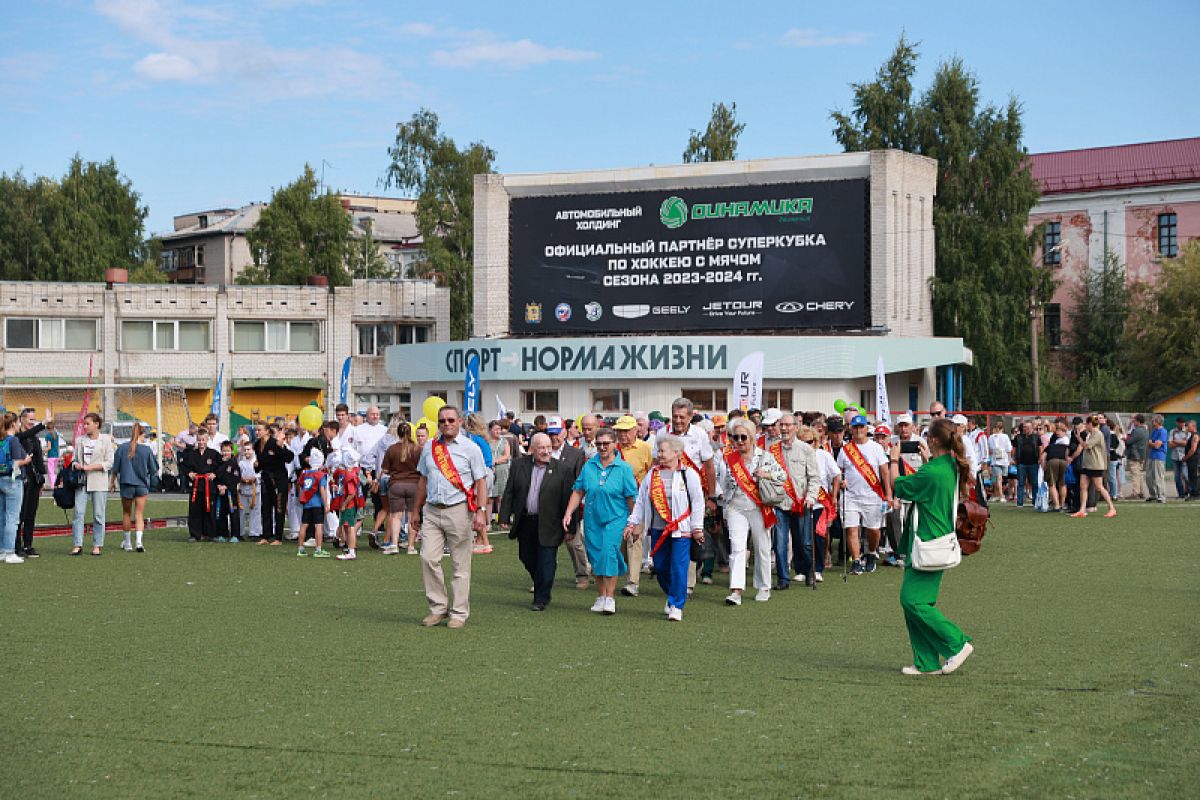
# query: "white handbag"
937 554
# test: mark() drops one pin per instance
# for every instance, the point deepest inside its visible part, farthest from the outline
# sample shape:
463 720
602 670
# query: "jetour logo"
674 212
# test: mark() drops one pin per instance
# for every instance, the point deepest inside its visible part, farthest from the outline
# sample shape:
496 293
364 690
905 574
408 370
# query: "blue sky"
211 104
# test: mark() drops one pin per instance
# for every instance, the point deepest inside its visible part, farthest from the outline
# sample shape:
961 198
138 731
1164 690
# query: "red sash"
662 507
445 465
686 461
777 451
830 505
855 456
746 483
198 479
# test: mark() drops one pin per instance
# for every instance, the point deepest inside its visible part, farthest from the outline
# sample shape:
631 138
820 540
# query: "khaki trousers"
442 527
578 552
1136 470
635 551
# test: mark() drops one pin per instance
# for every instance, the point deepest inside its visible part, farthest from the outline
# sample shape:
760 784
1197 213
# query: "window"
1052 324
50 334
276 337
539 399
1168 239
610 399
1052 244
375 338
866 399
708 399
388 404
778 398
161 335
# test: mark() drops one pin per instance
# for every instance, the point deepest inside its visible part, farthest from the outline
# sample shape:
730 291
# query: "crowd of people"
756 495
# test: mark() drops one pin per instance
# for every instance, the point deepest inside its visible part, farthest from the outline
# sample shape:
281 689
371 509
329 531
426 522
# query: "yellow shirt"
639 458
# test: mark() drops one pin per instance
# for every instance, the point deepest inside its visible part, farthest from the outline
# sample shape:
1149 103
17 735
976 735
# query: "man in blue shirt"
451 503
1156 463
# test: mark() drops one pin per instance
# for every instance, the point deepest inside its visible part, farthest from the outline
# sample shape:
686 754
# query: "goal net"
160 407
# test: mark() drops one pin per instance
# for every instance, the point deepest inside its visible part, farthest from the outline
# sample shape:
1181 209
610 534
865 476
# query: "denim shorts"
129 491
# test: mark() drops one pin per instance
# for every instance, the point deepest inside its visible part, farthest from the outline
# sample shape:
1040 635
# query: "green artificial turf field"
214 670
157 506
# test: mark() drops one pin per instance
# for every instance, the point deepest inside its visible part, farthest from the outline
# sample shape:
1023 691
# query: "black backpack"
68 481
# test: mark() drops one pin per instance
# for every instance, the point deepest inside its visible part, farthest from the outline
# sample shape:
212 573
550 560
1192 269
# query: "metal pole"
158 426
1033 350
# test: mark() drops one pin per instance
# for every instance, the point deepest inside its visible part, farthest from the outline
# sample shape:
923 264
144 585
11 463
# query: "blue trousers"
796 528
1026 474
671 564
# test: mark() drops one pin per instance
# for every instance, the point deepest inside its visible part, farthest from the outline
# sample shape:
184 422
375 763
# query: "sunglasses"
937 413
604 443
739 437
447 421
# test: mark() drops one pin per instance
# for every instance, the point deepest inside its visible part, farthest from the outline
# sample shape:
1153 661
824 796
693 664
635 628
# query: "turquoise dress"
607 491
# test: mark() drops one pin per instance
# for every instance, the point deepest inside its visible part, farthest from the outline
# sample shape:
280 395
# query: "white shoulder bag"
937 554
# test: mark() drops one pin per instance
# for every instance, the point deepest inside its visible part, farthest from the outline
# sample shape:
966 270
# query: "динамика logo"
673 212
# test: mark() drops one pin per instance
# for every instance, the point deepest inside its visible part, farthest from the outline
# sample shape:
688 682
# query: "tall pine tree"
985 278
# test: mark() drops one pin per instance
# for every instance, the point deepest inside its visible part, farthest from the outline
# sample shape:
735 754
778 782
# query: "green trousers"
929 632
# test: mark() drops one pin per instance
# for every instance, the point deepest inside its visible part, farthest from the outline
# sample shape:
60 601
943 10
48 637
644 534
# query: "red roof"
1121 167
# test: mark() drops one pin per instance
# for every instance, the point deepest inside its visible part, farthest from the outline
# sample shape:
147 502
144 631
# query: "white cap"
959 419
771 416
349 457
904 418
316 459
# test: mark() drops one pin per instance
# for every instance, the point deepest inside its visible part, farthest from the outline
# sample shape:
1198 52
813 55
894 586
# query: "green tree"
301 232
429 163
1161 351
1099 316
365 259
984 279
720 139
148 269
70 229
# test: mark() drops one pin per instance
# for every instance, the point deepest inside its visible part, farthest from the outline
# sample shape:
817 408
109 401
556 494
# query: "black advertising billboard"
768 256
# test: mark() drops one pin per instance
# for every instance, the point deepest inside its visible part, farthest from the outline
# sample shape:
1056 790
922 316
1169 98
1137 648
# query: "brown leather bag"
971 525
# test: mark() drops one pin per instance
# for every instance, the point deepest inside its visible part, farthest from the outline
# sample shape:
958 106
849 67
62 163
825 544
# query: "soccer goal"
162 407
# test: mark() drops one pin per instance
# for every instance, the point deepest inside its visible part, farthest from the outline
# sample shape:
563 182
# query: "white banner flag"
501 411
883 411
748 382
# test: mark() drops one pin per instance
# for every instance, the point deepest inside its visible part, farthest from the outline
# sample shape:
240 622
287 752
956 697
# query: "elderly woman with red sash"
670 507
745 514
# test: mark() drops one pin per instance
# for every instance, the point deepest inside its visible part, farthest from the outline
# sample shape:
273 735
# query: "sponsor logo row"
724 308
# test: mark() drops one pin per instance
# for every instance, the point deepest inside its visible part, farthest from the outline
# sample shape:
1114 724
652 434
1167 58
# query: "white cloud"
514 54
191 45
811 37
166 67
421 29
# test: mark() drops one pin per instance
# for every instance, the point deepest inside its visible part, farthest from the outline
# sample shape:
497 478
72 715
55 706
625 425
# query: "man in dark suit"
535 501
573 459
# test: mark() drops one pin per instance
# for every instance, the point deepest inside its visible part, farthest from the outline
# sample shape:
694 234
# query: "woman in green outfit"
931 489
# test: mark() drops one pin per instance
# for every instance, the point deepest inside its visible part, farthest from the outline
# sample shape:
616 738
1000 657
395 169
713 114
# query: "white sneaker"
630 590
310 542
955 661
734 599
13 558
126 546
675 615
763 595
598 606
610 605
819 578
347 557
667 608
390 550
911 670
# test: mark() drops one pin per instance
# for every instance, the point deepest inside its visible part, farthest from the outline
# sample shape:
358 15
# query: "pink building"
1140 201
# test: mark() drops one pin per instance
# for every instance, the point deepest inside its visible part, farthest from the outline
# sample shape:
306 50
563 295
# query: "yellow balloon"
310 418
431 406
